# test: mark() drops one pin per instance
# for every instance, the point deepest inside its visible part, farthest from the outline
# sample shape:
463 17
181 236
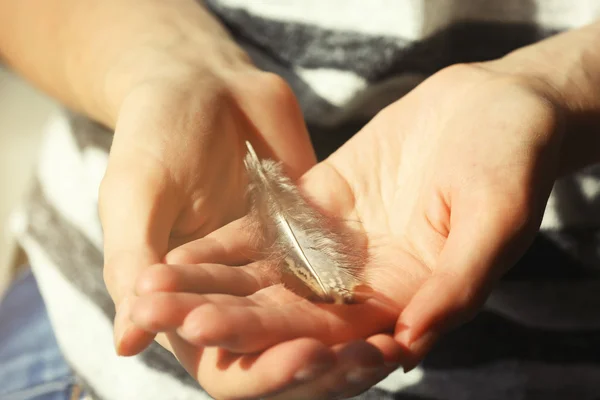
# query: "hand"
175 170
301 368
449 185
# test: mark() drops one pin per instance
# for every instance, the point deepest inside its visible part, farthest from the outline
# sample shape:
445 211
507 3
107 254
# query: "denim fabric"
31 364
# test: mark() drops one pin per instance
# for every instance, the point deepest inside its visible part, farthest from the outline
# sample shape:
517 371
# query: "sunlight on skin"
443 208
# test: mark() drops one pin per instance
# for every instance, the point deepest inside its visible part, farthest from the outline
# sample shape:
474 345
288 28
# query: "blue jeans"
31 364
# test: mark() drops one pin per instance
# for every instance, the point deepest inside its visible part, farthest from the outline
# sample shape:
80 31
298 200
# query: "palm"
439 200
175 171
258 314
197 169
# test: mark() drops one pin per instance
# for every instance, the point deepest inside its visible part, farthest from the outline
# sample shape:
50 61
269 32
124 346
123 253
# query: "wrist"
183 63
187 65
566 71
128 42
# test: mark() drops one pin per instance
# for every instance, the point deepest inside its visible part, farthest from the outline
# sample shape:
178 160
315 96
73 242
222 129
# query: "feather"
302 240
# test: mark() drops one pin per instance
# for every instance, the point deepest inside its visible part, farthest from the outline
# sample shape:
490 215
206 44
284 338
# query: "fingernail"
118 337
312 372
409 367
361 374
119 344
411 363
403 335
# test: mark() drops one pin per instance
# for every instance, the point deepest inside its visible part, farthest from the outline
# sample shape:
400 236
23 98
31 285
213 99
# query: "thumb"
483 242
137 210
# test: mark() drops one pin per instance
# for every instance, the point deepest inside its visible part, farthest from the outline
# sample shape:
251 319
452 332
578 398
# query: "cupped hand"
292 367
175 170
448 184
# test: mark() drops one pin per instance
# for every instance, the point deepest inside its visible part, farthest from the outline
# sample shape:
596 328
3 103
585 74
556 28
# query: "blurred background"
23 113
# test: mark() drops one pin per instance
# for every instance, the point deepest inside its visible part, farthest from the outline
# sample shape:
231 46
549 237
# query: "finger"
372 362
481 244
233 244
294 148
359 366
279 315
165 312
393 353
228 375
202 279
136 215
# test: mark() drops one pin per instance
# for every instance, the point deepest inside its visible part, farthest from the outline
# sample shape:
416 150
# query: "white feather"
302 240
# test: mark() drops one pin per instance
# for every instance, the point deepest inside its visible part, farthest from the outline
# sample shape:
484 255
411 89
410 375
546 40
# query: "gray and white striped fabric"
539 335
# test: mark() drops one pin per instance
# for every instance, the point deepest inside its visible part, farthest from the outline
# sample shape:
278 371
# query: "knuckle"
278 88
150 315
221 329
158 278
217 96
180 256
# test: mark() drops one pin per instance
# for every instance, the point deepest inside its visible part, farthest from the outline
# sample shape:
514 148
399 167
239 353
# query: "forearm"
88 54
569 65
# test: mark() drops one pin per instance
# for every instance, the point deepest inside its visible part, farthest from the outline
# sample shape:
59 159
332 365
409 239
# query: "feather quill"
302 240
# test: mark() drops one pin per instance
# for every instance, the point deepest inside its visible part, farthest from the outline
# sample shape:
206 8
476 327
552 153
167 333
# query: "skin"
448 184
439 237
439 228
181 96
